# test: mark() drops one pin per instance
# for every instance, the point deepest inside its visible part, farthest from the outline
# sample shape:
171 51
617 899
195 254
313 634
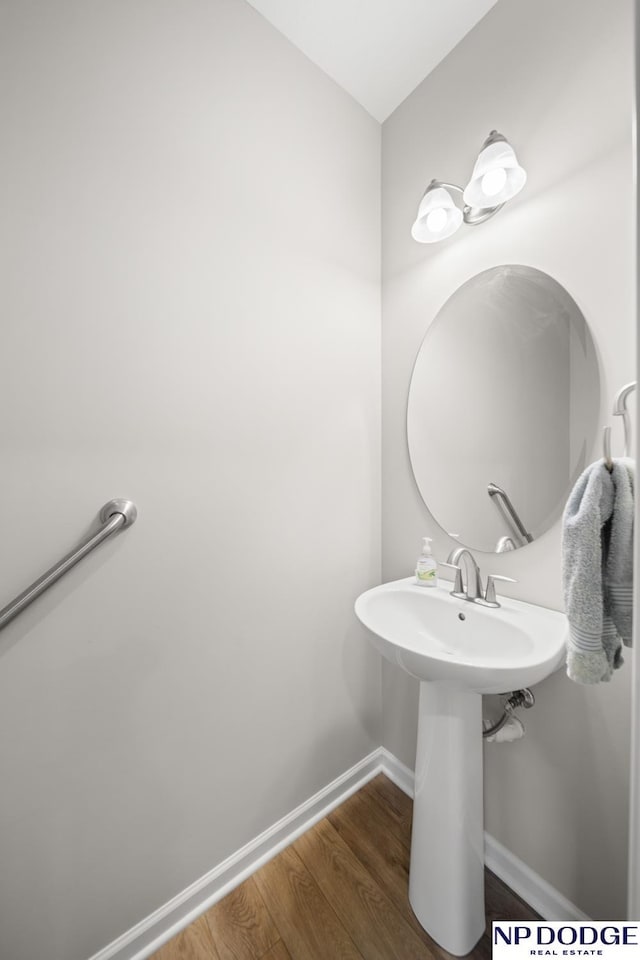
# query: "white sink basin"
434 636
458 650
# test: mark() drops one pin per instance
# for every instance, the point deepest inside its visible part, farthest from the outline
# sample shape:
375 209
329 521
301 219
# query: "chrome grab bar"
495 491
114 515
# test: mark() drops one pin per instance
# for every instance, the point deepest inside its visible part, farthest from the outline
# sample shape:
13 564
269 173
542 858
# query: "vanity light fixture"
496 178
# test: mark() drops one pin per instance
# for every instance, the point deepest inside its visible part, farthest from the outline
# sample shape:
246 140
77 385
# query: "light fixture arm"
470 215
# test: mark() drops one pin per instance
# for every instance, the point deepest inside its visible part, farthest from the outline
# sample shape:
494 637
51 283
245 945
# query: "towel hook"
619 410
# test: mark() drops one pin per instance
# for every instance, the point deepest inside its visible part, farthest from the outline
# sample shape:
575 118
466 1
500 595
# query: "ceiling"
377 50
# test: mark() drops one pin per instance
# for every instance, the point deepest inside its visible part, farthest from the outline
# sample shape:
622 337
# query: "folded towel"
618 574
597 574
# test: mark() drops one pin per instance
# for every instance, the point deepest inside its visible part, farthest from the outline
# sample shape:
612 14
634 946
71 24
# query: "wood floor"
338 893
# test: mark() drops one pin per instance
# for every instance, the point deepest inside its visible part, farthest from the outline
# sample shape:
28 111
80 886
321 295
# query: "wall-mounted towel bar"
114 515
495 491
619 410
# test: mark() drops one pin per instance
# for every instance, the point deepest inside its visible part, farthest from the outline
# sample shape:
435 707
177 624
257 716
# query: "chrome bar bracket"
125 507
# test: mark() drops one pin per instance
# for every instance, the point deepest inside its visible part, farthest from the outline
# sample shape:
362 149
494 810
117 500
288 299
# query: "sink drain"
461 616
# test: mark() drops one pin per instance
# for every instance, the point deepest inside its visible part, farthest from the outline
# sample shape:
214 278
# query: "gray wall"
190 318
556 79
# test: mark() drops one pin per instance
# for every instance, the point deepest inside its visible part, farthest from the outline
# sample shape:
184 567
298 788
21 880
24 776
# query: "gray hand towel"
597 574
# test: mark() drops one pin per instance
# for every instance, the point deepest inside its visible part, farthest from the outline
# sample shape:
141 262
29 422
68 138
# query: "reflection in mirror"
503 407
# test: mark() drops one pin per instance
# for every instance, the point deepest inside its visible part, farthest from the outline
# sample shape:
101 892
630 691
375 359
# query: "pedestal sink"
458 651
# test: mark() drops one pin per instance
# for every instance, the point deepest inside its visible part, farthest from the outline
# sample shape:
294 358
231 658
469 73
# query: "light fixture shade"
438 216
497 175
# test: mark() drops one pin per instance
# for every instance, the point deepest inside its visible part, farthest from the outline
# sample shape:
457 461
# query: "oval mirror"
503 407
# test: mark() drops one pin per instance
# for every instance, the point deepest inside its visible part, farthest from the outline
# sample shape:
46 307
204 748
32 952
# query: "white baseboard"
396 771
545 899
146 937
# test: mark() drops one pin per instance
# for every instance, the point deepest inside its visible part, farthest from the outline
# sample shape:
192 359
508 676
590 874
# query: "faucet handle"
490 593
457 586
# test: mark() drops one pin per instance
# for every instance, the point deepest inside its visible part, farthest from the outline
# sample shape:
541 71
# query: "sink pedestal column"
446 879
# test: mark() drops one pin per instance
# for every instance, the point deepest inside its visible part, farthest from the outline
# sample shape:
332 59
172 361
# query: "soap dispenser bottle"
426 568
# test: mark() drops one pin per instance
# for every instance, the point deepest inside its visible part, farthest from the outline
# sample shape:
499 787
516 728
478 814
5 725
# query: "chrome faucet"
473 590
